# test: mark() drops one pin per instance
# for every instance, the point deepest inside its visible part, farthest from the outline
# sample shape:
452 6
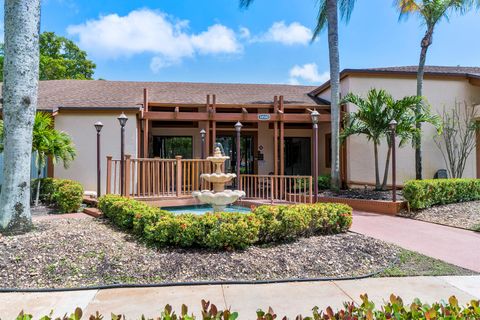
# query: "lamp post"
393 131
122 119
238 129
98 126
315 115
202 135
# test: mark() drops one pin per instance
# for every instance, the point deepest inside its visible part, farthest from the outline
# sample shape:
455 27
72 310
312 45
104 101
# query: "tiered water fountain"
220 197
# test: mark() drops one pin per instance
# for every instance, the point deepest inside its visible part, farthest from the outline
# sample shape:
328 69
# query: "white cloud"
292 34
244 33
149 31
308 72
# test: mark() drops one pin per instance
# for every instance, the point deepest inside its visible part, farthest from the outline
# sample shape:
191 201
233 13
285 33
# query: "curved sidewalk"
452 245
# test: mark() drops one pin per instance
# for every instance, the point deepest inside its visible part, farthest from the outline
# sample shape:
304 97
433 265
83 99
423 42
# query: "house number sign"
264 117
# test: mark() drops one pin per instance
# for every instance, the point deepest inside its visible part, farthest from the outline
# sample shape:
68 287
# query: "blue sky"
215 41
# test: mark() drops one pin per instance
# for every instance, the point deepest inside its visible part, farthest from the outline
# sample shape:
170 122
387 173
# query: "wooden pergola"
278 112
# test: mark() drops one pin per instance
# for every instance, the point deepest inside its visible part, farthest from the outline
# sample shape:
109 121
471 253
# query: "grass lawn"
411 263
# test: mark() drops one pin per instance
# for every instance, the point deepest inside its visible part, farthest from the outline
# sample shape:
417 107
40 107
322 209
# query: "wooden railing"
151 178
296 189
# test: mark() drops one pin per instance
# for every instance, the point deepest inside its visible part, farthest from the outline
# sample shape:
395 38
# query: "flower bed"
226 230
395 308
422 194
64 194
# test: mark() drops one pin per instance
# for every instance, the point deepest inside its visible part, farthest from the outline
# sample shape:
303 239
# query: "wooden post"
207 129
109 174
145 124
127 175
179 175
310 189
282 144
275 137
214 123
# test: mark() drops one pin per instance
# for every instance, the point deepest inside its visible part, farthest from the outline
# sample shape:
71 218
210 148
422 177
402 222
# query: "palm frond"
245 3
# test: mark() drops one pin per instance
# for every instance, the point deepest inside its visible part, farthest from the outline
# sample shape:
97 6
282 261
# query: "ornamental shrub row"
225 230
393 309
64 194
422 194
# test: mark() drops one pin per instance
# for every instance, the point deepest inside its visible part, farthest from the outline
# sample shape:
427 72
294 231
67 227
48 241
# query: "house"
165 120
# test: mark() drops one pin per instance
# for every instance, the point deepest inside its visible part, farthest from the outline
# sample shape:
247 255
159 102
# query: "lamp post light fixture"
238 129
393 131
122 119
315 116
203 133
98 126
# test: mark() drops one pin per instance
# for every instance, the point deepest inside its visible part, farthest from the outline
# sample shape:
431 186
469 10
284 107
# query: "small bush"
64 194
226 230
422 194
393 308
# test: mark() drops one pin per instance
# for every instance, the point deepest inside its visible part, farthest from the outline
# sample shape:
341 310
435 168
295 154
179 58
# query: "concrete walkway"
287 299
453 245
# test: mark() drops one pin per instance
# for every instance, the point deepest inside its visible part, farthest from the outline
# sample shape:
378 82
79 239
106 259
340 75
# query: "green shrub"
324 182
393 308
422 194
226 230
64 194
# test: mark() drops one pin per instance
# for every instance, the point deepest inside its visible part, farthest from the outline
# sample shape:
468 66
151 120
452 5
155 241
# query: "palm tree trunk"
387 165
37 196
377 173
20 86
426 42
332 18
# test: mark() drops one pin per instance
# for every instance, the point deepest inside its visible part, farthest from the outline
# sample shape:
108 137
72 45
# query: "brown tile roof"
117 94
452 71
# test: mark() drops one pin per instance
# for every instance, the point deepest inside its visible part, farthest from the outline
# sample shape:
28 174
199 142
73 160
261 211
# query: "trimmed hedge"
226 230
422 194
64 194
393 308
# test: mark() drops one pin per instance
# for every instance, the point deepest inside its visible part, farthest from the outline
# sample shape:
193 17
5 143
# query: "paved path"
453 245
287 299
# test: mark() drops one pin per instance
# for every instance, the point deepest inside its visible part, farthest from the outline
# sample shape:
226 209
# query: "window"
328 150
167 147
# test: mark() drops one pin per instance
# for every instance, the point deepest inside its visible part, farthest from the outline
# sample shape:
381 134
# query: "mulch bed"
84 252
365 194
464 215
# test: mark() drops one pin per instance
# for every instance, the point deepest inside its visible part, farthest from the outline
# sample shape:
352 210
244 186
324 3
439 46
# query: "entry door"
298 156
246 149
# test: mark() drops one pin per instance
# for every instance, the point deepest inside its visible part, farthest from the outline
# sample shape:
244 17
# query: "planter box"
375 206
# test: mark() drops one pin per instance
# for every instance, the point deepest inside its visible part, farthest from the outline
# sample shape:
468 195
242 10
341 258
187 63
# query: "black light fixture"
98 126
315 115
122 119
393 130
238 129
203 133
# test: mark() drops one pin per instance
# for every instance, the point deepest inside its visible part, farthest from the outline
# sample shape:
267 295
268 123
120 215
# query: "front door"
298 156
246 150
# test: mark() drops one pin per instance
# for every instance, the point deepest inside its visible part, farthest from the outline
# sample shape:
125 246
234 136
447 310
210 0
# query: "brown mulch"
85 252
464 215
362 193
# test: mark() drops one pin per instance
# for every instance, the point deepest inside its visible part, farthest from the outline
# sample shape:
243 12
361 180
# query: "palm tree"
47 143
431 12
20 89
373 117
328 18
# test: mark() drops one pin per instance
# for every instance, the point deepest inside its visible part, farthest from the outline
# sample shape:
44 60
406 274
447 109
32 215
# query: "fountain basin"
218 177
219 198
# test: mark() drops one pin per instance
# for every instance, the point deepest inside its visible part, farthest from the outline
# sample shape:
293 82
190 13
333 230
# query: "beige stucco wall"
80 127
440 93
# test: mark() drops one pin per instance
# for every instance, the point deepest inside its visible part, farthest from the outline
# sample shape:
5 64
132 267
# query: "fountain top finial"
217 153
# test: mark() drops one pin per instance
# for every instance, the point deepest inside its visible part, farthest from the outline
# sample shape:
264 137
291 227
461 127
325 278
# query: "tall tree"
60 58
20 89
430 12
328 18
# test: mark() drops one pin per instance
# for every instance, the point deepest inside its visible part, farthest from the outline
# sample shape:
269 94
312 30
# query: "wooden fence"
160 178
296 189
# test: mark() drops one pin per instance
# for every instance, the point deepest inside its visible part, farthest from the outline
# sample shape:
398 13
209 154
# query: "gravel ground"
366 193
81 252
464 215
